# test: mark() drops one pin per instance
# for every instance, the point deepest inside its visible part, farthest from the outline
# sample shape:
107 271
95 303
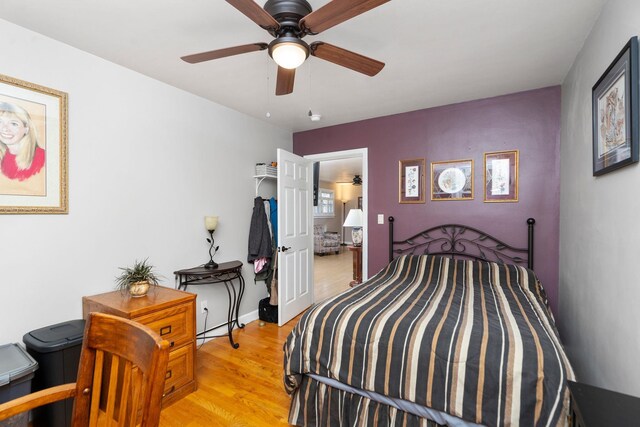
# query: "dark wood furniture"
108 387
226 273
357 265
596 407
171 314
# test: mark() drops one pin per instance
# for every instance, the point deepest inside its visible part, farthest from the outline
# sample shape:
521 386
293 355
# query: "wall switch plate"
380 218
203 306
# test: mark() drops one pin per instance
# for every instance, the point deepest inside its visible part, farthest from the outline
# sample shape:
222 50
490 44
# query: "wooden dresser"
170 313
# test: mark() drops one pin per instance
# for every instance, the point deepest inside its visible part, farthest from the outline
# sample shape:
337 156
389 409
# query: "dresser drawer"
179 369
174 324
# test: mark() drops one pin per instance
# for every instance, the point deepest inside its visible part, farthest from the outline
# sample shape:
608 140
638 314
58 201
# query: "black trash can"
56 348
16 375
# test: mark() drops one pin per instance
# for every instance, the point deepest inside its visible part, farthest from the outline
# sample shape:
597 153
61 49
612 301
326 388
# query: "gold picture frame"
501 176
452 180
33 160
412 181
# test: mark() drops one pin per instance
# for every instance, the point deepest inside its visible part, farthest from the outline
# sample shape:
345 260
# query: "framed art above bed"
411 181
452 180
501 176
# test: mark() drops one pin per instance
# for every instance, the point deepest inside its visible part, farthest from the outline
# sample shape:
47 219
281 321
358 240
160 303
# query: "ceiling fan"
355 181
289 21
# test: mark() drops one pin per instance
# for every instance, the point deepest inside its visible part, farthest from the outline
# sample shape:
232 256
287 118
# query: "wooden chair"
120 378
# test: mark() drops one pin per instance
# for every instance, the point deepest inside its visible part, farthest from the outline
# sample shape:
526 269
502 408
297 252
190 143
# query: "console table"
226 273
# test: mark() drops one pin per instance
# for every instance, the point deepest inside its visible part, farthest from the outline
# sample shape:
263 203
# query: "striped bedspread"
473 339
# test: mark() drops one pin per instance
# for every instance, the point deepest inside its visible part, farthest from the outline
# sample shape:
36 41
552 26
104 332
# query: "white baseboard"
245 318
249 317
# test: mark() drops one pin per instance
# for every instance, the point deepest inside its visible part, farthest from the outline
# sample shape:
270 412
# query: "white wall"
599 228
147 162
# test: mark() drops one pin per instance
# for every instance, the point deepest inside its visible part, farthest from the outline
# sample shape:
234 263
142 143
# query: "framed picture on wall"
412 181
501 176
452 180
33 148
615 112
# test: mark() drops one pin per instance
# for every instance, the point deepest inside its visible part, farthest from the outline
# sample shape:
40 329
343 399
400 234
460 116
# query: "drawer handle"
172 343
168 374
166 330
171 390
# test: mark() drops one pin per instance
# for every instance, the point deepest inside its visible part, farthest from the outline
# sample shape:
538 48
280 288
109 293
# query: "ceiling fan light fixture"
289 52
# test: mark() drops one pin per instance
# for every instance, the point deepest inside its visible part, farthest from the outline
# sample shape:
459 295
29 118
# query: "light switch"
380 218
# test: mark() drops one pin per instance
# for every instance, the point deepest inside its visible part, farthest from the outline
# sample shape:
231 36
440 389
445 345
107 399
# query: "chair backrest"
121 374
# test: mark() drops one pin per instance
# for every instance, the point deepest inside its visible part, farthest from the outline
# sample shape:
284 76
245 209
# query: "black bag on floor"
267 312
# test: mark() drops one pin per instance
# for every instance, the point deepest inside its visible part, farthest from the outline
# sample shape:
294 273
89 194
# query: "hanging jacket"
259 236
273 208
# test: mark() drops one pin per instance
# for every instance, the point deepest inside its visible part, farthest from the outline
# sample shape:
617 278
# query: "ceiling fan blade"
284 82
346 58
221 53
336 12
253 11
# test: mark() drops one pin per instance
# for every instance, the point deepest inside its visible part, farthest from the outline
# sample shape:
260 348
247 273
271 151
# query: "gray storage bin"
16 372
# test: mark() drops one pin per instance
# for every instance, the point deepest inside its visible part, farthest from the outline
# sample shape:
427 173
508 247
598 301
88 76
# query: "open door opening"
343 177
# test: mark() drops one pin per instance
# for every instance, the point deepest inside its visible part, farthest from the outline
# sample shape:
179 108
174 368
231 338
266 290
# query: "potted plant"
137 279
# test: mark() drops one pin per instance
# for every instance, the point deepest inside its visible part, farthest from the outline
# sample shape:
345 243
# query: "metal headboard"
461 241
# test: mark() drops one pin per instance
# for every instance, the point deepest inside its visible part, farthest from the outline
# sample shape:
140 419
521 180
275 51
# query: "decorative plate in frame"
501 176
452 180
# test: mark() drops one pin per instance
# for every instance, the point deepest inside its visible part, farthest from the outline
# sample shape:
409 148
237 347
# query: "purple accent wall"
527 121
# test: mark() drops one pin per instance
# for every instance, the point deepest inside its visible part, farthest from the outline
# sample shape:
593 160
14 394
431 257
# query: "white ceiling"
342 170
437 51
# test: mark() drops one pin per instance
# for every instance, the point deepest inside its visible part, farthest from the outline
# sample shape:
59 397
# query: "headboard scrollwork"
461 241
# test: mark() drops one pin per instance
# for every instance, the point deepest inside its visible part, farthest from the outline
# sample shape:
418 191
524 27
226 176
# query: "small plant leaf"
140 271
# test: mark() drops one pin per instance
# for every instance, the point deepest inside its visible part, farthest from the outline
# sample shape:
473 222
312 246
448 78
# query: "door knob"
284 248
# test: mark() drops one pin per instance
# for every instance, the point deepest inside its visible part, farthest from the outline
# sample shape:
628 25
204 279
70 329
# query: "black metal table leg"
240 293
230 314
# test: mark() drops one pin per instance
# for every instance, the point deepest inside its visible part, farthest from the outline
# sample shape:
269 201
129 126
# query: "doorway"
343 179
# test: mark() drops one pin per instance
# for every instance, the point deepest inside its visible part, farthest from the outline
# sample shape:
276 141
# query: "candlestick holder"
212 251
210 223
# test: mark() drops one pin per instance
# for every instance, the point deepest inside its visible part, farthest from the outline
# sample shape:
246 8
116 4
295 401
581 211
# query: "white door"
295 239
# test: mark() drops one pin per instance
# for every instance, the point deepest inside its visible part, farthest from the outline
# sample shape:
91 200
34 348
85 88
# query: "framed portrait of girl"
33 148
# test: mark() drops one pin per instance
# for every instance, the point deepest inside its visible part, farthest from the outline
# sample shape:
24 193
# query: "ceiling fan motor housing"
288 12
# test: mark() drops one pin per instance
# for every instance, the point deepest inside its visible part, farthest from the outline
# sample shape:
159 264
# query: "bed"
452 332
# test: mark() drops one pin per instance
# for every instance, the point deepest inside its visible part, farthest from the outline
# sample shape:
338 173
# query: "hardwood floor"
241 387
244 387
332 274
